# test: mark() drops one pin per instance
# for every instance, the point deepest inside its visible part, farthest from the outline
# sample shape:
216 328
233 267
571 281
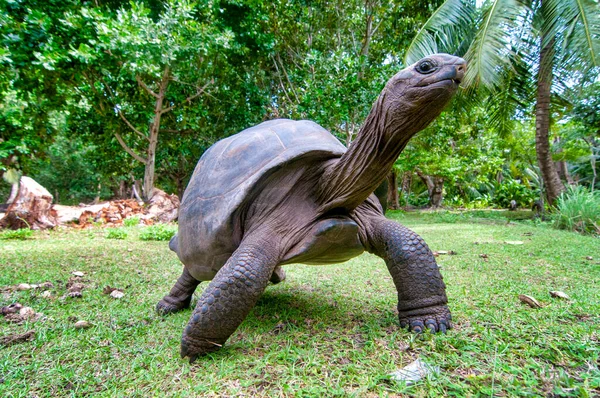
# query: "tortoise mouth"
455 81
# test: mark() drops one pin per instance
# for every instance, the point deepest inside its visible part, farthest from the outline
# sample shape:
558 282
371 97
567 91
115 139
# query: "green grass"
325 331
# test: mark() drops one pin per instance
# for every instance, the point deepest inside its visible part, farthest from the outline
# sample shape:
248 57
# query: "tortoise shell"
226 175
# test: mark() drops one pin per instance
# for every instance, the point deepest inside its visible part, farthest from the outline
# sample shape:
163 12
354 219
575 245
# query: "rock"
78 273
23 286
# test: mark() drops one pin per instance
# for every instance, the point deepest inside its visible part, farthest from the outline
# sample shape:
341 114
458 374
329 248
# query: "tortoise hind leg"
180 296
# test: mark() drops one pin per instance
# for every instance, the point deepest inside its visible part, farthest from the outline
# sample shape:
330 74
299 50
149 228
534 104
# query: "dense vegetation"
99 95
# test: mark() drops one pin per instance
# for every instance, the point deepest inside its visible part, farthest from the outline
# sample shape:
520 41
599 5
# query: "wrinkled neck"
349 180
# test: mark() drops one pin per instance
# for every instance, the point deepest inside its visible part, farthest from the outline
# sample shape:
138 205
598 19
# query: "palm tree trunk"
542 124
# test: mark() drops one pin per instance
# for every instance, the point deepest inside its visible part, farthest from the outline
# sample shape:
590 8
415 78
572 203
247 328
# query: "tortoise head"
417 94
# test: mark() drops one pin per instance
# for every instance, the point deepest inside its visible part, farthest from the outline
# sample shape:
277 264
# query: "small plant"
158 232
131 221
578 209
116 233
18 234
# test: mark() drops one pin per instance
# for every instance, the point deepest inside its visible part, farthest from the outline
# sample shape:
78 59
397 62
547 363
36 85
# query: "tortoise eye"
425 67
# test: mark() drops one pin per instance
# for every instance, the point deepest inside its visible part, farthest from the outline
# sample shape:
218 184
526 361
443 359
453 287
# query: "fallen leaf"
11 309
484 257
117 294
82 325
76 294
17 338
78 273
414 371
23 286
513 242
590 258
559 294
46 294
530 301
27 312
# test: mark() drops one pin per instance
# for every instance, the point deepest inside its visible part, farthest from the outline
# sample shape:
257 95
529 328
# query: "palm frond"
491 50
577 23
447 30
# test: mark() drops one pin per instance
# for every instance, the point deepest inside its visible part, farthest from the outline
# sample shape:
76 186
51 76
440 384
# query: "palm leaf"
577 23
491 50
447 30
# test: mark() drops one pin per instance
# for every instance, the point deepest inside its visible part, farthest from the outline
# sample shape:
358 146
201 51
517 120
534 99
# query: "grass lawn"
325 331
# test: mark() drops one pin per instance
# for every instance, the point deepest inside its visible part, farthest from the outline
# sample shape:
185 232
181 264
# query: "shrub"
513 190
578 209
116 233
18 234
131 221
158 232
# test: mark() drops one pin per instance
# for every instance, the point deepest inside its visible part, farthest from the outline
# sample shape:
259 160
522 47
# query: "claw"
431 325
417 326
442 328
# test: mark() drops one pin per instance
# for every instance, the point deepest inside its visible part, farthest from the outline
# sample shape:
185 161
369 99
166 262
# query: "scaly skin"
230 295
180 296
421 290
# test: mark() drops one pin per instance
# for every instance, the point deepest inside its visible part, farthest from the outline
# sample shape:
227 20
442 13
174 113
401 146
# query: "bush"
131 221
158 232
116 233
18 234
578 209
513 190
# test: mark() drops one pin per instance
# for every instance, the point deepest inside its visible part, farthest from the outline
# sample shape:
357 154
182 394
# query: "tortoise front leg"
230 296
421 290
180 295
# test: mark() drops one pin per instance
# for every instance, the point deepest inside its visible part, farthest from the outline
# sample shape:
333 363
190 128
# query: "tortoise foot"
193 348
435 319
170 305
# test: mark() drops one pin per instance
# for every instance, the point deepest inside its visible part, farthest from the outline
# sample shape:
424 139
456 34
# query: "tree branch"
129 150
131 125
188 99
145 87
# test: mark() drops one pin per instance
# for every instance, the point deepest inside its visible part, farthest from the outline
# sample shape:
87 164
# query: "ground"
325 331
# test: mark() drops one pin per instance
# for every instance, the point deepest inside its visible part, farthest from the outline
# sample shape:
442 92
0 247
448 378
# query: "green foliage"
510 190
116 233
131 221
158 232
578 209
18 234
68 169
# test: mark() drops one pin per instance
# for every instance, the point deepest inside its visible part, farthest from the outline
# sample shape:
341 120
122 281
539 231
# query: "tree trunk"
435 188
148 189
393 201
554 186
31 208
406 184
